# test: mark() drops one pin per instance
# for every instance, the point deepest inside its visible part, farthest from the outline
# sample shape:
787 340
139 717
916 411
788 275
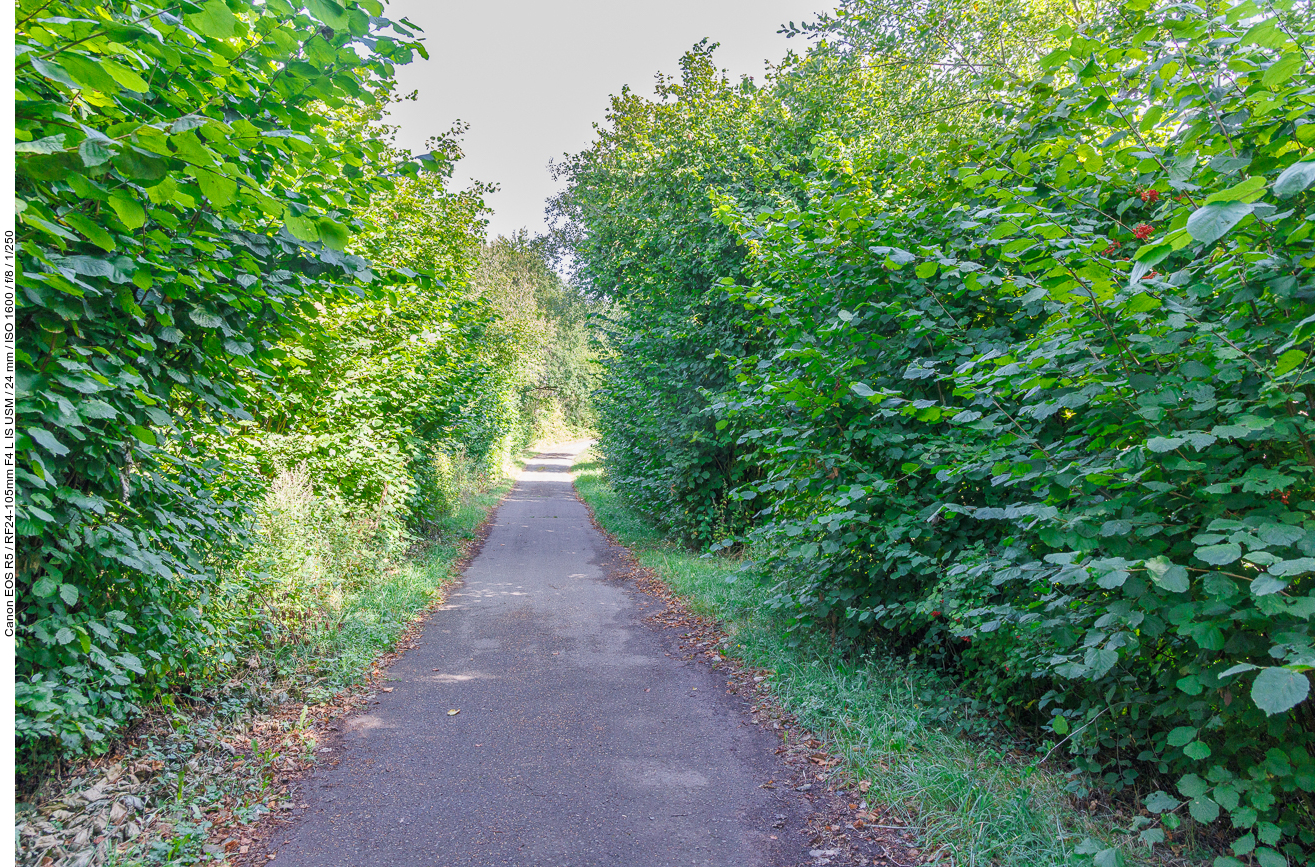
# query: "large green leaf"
1267 34
205 318
129 210
1182 736
329 12
1160 802
1295 178
1289 361
333 235
1282 69
1203 810
140 166
53 71
213 20
49 145
1212 222
47 441
1168 575
124 75
218 188
1297 566
301 227
1277 689
1219 555
95 152
91 230
89 72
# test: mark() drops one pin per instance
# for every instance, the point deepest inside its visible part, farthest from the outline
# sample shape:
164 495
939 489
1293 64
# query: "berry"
1143 231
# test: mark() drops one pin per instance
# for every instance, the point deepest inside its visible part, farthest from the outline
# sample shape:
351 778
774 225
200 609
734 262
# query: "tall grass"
373 616
975 797
326 589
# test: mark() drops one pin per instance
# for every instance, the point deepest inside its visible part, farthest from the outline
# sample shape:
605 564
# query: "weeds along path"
539 722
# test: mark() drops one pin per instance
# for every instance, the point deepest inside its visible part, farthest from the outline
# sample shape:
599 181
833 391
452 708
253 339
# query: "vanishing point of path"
579 741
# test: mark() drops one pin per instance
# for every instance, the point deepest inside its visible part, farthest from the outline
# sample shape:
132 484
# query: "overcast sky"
532 77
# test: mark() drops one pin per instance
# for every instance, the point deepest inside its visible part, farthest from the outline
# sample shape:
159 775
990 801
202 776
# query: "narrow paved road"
579 741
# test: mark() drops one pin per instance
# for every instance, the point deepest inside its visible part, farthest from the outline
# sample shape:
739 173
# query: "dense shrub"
636 219
1030 391
441 475
311 549
169 236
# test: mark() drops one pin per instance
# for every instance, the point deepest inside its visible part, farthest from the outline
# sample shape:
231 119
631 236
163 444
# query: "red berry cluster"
1149 196
1143 231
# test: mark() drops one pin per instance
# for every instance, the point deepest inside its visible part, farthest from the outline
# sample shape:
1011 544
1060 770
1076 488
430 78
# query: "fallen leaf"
386 689
865 785
453 712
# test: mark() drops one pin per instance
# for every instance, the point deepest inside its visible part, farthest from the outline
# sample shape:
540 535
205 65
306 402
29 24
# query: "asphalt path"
581 737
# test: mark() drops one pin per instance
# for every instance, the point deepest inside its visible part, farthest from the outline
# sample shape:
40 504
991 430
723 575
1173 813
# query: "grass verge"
974 798
187 783
374 617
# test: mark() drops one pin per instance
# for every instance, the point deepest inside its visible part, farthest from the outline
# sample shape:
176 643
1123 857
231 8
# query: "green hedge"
227 271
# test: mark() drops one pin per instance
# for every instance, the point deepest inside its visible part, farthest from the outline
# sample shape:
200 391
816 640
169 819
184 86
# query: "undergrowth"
370 618
975 795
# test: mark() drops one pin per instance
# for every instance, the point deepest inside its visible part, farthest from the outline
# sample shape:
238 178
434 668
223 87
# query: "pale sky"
532 77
